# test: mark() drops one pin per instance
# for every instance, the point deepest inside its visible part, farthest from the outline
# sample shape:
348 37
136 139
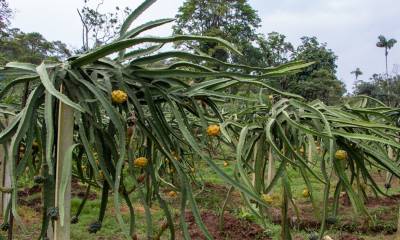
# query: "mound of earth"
385 210
233 229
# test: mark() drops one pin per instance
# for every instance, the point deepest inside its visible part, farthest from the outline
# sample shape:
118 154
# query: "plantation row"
114 120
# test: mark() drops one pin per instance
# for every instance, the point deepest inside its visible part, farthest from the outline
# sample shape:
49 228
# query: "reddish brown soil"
31 197
220 190
29 191
234 228
79 191
350 237
384 210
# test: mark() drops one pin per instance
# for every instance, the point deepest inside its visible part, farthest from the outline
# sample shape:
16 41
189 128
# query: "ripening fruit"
119 96
226 163
301 150
192 170
341 155
141 178
175 155
172 194
270 97
306 193
140 162
35 145
101 174
213 130
267 198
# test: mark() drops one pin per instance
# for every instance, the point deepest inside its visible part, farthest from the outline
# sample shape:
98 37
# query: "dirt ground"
234 228
383 210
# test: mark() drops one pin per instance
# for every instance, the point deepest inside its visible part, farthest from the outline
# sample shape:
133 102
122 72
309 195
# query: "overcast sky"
350 27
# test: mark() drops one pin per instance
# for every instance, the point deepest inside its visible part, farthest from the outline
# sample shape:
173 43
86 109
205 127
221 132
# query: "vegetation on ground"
194 142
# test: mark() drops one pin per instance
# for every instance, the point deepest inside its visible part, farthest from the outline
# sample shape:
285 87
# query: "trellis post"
309 150
5 176
64 141
271 167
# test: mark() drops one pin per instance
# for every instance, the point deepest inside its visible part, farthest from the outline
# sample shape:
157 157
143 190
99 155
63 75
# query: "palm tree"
357 73
387 44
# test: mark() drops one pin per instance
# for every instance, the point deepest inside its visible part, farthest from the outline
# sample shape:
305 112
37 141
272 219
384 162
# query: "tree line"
239 23
234 21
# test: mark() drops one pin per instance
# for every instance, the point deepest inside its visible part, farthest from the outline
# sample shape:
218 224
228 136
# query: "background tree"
99 27
378 87
16 45
234 21
357 73
5 14
318 81
275 50
322 85
238 22
368 88
387 45
312 50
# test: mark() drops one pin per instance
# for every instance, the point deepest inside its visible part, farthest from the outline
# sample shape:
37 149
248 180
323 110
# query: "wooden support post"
393 157
254 165
64 141
309 151
271 167
5 176
398 227
5 179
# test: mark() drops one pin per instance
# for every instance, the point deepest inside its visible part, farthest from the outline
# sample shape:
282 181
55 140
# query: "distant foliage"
273 49
234 21
318 81
238 22
311 49
320 84
382 87
16 45
5 14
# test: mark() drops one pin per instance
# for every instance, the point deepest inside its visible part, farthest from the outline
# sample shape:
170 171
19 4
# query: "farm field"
199 119
239 222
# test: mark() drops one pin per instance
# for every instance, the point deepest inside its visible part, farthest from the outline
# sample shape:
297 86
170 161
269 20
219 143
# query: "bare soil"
234 228
31 197
383 209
